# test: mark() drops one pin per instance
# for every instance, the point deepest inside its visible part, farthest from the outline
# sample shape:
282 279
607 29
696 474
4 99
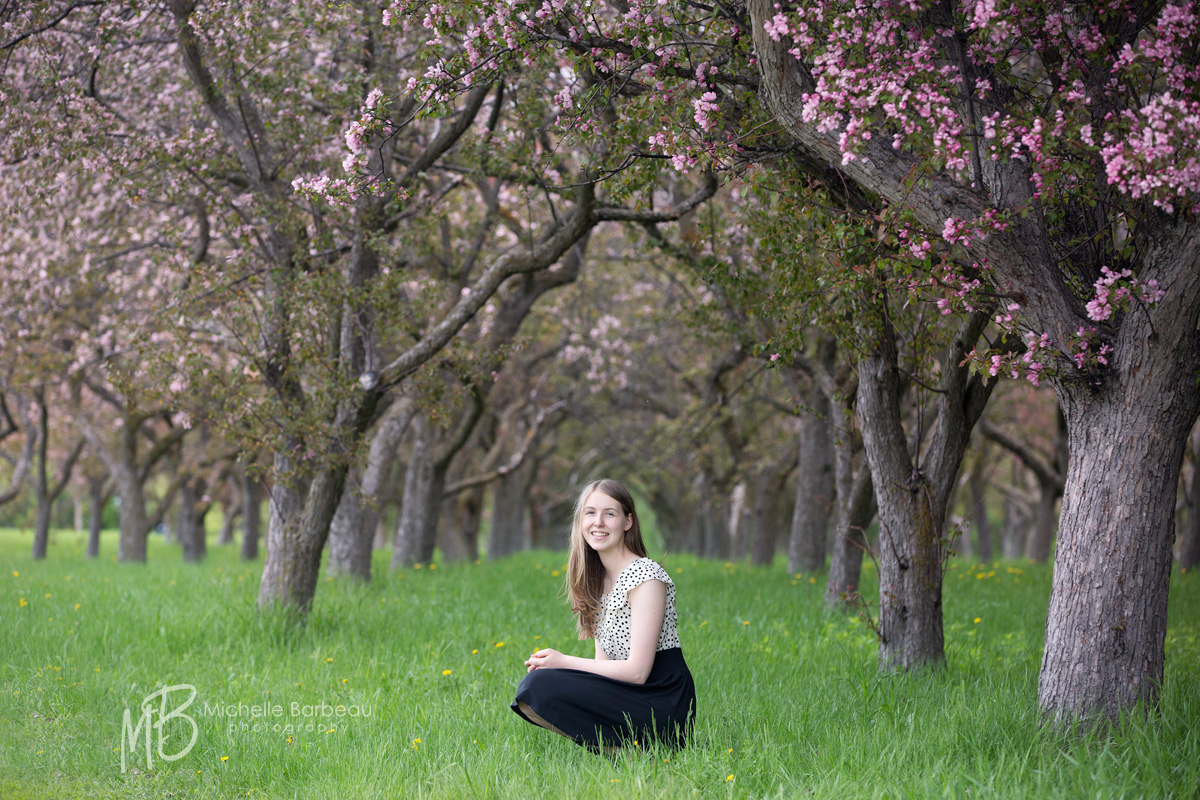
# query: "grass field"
425 663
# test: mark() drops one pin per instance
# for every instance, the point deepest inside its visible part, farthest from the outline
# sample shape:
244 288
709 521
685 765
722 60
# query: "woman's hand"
544 659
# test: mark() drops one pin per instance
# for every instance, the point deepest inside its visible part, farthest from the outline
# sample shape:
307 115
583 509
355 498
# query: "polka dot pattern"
613 628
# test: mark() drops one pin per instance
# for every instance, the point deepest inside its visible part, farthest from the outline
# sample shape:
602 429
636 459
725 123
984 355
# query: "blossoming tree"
1051 147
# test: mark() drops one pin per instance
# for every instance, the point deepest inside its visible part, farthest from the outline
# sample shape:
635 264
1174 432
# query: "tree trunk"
231 511
416 533
301 509
770 510
979 509
357 518
252 496
815 490
510 512
41 535
1108 606
98 499
912 502
1041 531
190 521
1189 545
131 546
856 509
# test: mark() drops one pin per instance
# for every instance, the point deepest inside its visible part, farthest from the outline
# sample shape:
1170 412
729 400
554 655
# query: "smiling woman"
638 686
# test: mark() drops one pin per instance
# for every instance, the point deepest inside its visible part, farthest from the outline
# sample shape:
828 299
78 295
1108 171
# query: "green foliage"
790 700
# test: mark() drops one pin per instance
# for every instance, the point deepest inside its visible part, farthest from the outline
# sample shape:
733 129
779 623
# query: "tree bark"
190 524
856 509
252 496
98 495
979 509
1189 545
357 517
1108 605
301 509
912 502
510 512
770 509
815 489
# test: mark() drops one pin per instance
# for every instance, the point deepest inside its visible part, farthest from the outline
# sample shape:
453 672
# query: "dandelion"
475 651
224 758
730 750
16 574
77 606
977 620
416 566
728 778
47 595
446 672
23 603
745 622
499 644
812 580
329 661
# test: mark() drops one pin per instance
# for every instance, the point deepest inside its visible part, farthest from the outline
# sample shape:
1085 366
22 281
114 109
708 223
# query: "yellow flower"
433 566
48 595
345 680
554 574
476 650
499 644
224 758
329 661
812 580
23 603
731 749
16 574
977 619
745 622
77 606
416 566
446 672
728 778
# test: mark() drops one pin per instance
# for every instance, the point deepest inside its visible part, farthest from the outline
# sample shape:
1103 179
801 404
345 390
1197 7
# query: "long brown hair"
585 571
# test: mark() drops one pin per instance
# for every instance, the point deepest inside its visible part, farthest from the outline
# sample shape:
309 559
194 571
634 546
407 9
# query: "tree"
1054 147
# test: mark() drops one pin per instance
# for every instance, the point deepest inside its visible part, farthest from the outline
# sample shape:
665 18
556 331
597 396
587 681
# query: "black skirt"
595 710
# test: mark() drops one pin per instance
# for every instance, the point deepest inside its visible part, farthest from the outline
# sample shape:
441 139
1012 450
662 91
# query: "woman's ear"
628 521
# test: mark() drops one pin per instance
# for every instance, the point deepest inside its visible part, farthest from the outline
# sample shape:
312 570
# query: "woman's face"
604 523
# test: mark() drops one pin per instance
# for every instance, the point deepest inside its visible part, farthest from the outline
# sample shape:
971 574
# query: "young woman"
638 686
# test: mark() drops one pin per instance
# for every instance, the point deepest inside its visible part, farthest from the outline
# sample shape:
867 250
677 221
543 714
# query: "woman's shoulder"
644 569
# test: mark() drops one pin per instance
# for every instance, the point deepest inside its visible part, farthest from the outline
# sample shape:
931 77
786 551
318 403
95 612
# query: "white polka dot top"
613 629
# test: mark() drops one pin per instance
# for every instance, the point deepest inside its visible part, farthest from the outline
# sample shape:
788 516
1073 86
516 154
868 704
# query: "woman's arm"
648 602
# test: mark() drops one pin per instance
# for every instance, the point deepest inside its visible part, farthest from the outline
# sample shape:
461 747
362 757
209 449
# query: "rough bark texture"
1127 434
301 510
357 518
815 490
912 502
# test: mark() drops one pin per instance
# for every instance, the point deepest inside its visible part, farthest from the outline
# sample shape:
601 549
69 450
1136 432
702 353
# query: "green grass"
791 704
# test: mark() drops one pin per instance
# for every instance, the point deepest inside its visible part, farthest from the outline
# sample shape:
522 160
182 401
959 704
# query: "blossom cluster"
1115 289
